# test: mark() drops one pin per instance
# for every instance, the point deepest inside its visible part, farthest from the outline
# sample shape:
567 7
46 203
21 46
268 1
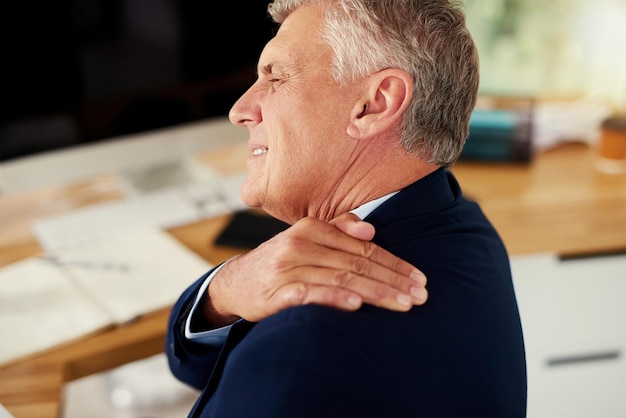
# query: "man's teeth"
259 151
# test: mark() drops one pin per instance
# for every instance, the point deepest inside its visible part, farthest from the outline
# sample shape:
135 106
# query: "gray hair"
426 38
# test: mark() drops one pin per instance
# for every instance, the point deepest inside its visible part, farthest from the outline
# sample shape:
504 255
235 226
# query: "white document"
60 296
134 273
4 413
40 309
84 225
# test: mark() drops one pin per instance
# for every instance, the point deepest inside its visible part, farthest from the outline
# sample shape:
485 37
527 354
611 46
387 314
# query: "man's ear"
382 104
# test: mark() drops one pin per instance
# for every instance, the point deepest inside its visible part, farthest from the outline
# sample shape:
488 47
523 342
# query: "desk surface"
559 203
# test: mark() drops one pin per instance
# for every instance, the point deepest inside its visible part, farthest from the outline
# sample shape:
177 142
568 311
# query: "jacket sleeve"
191 362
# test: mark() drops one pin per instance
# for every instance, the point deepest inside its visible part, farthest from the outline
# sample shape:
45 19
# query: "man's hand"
333 264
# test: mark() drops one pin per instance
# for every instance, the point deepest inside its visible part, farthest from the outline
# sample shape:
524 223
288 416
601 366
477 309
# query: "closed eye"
272 75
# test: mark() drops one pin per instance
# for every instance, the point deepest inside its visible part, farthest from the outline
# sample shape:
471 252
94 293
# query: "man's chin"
251 199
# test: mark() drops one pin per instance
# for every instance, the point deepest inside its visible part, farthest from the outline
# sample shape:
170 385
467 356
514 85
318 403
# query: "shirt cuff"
215 336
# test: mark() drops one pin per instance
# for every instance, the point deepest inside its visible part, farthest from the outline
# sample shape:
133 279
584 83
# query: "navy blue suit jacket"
459 355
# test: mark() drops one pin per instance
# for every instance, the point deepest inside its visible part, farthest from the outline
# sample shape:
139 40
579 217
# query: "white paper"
4 413
132 274
57 297
40 309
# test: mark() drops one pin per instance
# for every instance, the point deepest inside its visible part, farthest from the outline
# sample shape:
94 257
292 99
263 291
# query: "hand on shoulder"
333 264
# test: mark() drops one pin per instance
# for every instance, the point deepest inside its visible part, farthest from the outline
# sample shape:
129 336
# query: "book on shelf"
58 297
500 131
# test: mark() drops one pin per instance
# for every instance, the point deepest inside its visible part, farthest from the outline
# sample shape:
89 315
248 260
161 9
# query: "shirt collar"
367 208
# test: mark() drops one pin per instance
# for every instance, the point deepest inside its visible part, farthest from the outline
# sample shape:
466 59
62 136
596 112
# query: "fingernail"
354 301
404 299
418 293
418 276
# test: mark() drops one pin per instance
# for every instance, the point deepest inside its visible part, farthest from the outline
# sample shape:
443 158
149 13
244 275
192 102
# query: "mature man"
359 109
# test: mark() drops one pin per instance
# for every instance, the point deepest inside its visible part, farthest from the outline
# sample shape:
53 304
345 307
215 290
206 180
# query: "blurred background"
79 71
559 48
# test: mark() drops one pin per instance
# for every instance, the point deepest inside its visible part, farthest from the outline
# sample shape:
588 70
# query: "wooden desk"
559 203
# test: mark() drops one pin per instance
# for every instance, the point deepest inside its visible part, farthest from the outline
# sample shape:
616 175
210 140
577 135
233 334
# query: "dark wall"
78 71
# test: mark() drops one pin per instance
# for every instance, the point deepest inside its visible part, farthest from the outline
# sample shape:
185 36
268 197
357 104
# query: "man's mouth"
259 151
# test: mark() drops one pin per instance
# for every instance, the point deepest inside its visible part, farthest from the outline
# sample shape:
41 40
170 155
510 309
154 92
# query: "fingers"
362 247
376 283
355 254
349 296
331 284
298 293
338 261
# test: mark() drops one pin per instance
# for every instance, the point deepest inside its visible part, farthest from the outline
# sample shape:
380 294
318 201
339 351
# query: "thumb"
350 224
